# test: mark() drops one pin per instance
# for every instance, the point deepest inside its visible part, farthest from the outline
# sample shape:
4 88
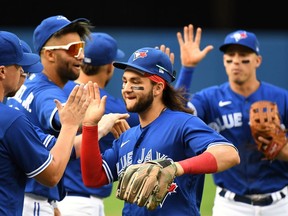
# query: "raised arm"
190 55
71 116
91 160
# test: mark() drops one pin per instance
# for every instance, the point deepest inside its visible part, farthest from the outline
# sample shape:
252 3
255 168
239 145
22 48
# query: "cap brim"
35 68
28 59
224 47
124 65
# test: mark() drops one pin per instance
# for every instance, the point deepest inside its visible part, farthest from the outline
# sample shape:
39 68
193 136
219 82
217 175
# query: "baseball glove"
146 184
265 122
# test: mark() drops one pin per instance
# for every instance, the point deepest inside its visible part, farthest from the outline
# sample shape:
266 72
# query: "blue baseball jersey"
228 113
22 155
173 135
73 178
35 99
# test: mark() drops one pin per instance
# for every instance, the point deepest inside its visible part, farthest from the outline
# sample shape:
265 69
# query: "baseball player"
100 52
256 186
19 138
167 129
60 43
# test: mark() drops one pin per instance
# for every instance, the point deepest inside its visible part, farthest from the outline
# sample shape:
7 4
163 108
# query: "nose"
236 59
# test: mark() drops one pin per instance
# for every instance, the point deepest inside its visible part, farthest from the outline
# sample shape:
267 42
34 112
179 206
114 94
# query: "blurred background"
136 24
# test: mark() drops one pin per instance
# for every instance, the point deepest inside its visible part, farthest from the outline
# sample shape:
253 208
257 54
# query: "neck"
150 114
55 79
83 78
246 88
2 94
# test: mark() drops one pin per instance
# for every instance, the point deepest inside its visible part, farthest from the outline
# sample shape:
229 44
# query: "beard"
143 104
11 94
65 72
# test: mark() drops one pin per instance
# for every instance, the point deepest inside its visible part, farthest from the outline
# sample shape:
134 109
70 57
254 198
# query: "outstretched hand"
190 52
73 112
120 126
96 107
113 122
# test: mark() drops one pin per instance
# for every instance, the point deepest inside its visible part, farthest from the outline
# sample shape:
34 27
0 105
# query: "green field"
113 206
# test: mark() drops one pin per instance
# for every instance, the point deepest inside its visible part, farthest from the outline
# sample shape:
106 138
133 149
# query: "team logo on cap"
239 35
140 54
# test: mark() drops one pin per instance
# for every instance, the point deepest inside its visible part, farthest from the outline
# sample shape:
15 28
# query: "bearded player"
167 130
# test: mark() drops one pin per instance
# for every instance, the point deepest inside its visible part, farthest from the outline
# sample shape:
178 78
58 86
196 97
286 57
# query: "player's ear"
48 54
158 88
2 72
259 61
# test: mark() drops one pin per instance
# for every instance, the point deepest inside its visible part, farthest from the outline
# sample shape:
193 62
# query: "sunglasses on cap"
74 49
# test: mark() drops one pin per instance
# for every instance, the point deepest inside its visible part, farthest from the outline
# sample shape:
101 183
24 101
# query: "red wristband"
201 164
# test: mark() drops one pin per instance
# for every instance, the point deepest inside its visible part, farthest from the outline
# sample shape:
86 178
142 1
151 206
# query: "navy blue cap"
243 38
101 49
150 60
12 51
34 68
50 26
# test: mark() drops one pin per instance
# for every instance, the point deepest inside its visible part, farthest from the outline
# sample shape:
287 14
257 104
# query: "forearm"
214 159
201 164
60 152
78 141
63 147
92 171
184 79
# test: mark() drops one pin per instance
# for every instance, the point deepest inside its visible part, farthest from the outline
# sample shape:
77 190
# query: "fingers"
73 93
168 52
198 35
120 126
103 103
58 104
78 97
96 107
180 39
263 140
172 58
108 121
93 90
207 49
188 34
73 112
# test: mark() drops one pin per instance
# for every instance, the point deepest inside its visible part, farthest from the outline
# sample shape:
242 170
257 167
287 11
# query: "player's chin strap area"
255 199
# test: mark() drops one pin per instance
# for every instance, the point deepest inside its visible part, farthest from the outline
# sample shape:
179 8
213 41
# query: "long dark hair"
175 99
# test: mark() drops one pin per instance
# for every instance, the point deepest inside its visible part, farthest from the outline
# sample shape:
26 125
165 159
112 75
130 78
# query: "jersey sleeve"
46 109
184 79
26 147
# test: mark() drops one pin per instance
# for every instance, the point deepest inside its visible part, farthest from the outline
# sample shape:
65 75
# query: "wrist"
89 124
90 127
180 170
